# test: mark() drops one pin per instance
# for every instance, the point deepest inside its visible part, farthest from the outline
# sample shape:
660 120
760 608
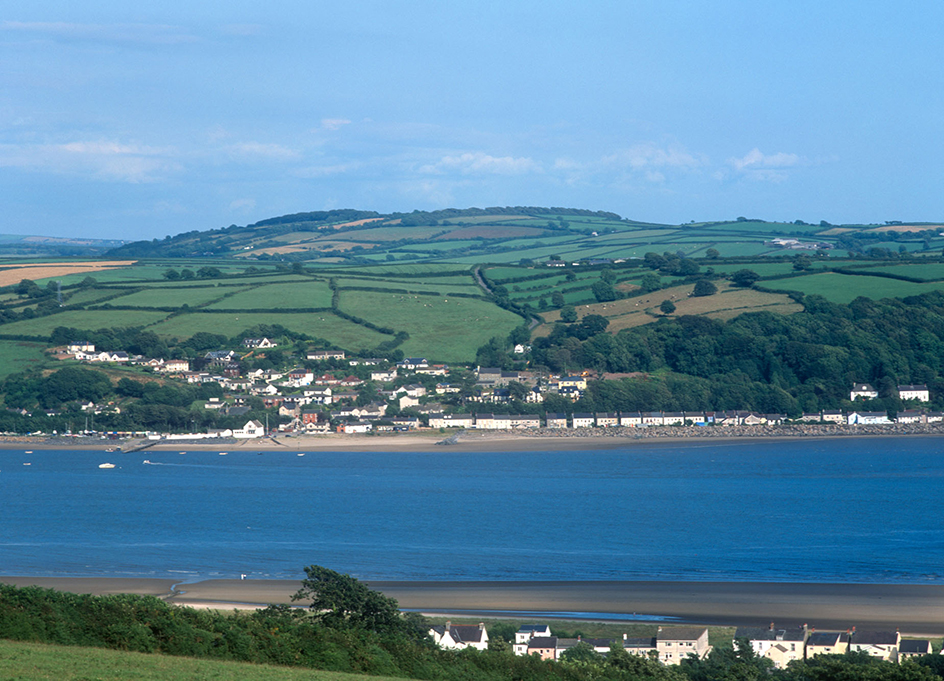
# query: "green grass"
764 269
303 294
442 329
35 661
925 271
171 297
88 296
341 332
18 356
842 288
82 319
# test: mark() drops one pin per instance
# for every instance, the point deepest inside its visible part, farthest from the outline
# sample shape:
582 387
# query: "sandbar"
915 609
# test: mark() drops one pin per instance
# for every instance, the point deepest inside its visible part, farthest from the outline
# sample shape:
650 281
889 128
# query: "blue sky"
122 122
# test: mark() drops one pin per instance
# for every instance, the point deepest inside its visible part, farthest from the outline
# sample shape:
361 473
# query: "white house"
863 390
584 420
252 429
677 643
455 637
867 418
527 632
914 392
780 645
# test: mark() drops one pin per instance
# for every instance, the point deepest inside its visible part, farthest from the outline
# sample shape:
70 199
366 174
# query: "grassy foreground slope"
29 661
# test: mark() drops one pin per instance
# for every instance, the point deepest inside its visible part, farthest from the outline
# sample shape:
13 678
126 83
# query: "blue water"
850 510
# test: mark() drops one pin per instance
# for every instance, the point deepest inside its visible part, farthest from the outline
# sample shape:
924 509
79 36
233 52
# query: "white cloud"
481 163
650 155
334 123
155 34
756 159
328 171
103 159
242 205
263 150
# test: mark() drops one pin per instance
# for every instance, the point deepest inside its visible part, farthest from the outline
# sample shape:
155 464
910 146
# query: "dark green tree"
339 600
568 314
703 287
667 306
744 278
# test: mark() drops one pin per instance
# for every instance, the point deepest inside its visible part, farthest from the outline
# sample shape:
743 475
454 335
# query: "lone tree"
667 306
340 600
745 278
703 287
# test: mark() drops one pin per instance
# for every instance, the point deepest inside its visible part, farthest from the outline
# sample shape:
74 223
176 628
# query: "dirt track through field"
13 274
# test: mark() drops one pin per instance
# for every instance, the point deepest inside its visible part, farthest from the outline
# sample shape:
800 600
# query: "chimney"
659 630
448 625
481 626
771 626
624 637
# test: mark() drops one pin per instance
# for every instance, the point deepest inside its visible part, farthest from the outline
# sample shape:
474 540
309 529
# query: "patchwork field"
170 297
841 288
326 325
448 329
90 320
302 294
13 274
726 304
19 356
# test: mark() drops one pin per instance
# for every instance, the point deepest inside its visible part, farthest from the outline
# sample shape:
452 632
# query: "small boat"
183 452
222 453
27 464
28 451
146 461
301 453
111 449
106 465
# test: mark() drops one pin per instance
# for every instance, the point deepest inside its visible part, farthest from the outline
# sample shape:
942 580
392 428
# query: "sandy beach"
914 609
488 441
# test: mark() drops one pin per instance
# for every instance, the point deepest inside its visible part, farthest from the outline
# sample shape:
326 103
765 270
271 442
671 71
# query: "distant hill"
17 245
341 234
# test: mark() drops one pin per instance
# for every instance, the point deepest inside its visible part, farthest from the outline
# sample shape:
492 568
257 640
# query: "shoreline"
479 441
915 609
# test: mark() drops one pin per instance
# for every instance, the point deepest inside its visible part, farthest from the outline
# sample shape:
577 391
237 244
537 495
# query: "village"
672 644
326 392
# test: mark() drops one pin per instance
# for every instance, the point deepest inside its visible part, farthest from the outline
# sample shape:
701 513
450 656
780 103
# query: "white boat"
28 451
27 464
301 453
222 453
106 465
146 461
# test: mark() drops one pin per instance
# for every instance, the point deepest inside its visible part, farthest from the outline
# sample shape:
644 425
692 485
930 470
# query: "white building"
914 392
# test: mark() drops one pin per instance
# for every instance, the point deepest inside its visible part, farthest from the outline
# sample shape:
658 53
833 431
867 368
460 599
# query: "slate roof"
826 638
770 634
875 638
915 647
647 642
543 642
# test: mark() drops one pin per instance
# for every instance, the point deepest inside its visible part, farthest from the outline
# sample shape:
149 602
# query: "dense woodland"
352 629
759 361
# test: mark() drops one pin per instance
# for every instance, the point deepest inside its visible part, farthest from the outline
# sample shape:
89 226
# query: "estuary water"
843 510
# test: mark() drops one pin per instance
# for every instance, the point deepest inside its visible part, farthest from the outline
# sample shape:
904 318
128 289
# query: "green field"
341 332
304 294
843 288
81 319
35 661
443 329
18 356
88 296
171 297
926 271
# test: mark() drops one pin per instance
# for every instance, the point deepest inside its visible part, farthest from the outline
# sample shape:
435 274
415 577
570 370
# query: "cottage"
827 643
451 421
914 392
867 418
673 418
607 420
384 376
413 363
460 636
324 355
555 420
83 346
545 647
524 421
880 644
525 633
832 416
252 429
446 388
259 343
675 644
653 418
630 419
913 648
583 420
779 645
910 416
864 391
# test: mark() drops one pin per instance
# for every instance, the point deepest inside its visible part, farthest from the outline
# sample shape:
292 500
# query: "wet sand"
915 609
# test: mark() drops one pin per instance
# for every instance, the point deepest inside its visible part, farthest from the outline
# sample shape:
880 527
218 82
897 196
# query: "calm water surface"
856 510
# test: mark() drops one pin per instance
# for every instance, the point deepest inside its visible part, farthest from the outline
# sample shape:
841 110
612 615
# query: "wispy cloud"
766 167
102 159
650 155
242 205
334 123
153 34
481 163
261 150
